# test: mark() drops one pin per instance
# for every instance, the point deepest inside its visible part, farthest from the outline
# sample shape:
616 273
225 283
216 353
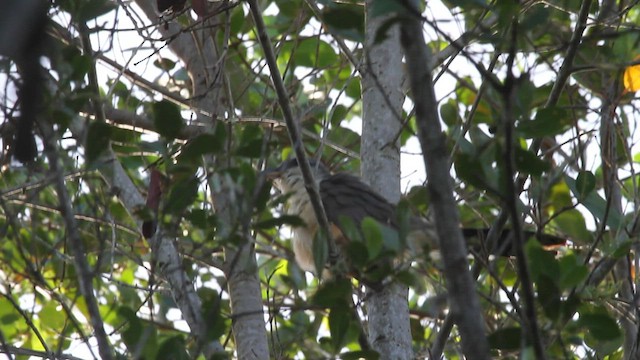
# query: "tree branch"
83 271
167 255
294 131
465 305
511 200
572 50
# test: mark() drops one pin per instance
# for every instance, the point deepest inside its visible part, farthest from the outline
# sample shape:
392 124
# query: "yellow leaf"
632 77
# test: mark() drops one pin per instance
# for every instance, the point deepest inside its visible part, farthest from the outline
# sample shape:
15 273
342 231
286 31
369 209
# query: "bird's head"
288 176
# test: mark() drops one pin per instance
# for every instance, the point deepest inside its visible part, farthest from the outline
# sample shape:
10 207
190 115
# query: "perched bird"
345 196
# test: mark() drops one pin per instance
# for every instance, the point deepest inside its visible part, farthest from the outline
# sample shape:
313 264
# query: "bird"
345 196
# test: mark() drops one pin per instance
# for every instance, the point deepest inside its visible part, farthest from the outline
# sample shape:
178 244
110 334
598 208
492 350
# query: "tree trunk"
382 97
199 54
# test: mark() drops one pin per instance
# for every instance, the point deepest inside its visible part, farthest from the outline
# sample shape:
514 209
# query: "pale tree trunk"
199 53
387 309
241 269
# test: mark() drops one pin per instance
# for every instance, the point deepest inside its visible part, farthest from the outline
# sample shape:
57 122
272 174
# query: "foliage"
575 153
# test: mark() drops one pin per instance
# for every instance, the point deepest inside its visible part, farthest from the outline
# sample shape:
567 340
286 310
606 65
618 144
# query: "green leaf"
167 119
403 218
250 144
412 280
469 168
585 183
137 336
570 306
289 8
216 325
541 263
164 64
538 16
354 90
600 325
182 195
201 145
238 20
346 137
391 240
338 326
153 146
315 53
98 137
339 114
387 7
527 162
470 4
199 218
418 198
622 249
549 296
51 316
320 252
508 339
598 206
333 293
572 272
90 10
173 348
358 254
449 112
548 122
131 334
571 222
126 136
296 276
626 45
80 64
372 236
345 19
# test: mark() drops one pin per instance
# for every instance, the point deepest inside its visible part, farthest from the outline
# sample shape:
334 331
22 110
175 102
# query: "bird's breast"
300 205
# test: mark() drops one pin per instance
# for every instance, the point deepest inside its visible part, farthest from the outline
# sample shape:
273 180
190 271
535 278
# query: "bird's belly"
303 236
302 208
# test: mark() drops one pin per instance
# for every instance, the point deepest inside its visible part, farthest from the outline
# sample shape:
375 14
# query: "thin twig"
511 200
572 50
30 352
83 271
294 130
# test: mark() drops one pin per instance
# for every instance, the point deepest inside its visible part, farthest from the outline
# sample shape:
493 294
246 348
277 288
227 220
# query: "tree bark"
243 283
165 251
382 97
465 306
198 52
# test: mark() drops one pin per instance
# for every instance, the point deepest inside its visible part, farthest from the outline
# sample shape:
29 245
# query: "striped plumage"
346 196
343 195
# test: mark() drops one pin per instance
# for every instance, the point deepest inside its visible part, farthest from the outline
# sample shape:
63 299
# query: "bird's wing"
344 195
